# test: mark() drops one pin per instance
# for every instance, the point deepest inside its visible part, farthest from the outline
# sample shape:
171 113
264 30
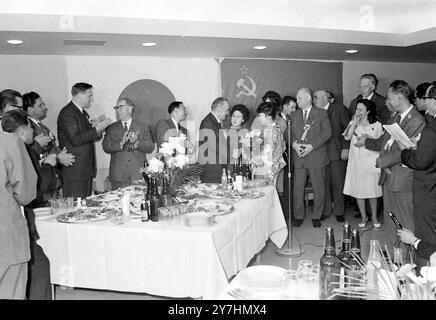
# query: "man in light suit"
17 188
397 179
78 133
171 127
337 150
213 153
368 85
127 141
310 132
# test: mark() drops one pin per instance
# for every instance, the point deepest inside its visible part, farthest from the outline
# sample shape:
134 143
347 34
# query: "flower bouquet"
172 163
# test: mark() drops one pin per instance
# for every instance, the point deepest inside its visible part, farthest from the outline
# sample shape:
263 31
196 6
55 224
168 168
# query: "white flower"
155 166
167 149
180 161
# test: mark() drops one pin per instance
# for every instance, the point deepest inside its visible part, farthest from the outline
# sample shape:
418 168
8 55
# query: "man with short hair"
420 102
337 150
127 141
10 100
368 85
396 179
78 133
171 127
213 153
38 283
310 132
422 159
17 188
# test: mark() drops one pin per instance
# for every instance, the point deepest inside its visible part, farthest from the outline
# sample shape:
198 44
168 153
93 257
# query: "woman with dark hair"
238 129
268 151
361 179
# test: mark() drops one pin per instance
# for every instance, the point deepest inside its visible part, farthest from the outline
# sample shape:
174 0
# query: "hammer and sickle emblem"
248 91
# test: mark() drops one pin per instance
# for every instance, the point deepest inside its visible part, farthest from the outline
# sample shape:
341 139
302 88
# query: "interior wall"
386 72
195 81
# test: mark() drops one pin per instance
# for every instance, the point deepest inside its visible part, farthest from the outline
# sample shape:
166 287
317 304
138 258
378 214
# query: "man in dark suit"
337 150
171 127
127 141
44 143
213 153
18 187
38 283
420 102
423 161
78 133
310 132
395 178
368 84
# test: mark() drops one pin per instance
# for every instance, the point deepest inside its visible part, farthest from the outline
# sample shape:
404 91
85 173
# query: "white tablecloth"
163 258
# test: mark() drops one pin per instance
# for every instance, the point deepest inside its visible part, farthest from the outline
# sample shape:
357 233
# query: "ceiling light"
149 44
260 47
351 51
15 41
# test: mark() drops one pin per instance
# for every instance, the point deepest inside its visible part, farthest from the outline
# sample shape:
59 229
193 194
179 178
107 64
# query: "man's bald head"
304 98
321 99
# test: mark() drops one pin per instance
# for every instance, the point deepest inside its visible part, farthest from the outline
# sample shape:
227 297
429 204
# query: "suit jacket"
426 249
17 188
212 153
77 134
319 133
401 178
383 113
165 128
125 164
37 130
423 161
339 118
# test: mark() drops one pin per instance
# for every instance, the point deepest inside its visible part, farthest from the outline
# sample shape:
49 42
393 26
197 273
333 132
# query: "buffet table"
165 258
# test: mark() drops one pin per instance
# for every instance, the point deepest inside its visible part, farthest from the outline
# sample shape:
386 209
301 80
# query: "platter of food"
216 208
86 215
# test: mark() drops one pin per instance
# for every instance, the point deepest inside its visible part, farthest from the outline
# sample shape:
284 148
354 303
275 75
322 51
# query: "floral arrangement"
172 163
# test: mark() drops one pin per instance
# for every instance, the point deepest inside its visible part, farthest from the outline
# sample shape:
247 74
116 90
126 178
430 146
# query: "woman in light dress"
361 180
268 150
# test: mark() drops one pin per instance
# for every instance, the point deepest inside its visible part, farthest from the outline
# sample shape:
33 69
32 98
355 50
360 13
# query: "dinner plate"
252 194
217 208
263 277
90 214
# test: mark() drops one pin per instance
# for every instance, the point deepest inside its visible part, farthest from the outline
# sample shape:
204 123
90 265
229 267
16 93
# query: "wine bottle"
224 179
330 266
166 199
154 201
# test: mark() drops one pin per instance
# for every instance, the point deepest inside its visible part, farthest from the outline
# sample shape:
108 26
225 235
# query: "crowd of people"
342 151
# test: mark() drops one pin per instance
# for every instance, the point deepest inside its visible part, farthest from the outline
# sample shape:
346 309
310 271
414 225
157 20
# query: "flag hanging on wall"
245 81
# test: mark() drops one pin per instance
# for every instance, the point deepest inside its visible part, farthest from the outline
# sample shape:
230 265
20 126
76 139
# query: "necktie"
178 128
85 114
305 116
125 126
397 117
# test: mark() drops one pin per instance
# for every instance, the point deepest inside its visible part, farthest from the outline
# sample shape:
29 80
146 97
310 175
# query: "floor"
308 239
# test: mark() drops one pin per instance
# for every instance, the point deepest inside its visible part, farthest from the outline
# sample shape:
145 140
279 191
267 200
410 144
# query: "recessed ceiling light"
149 44
15 41
351 51
260 47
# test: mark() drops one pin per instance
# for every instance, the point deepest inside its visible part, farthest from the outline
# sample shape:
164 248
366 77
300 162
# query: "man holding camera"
127 141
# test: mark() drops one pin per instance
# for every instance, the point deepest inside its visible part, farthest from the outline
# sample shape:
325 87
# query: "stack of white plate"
263 278
198 219
42 212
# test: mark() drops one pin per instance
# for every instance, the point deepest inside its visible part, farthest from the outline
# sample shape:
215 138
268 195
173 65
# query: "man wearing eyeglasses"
9 100
78 134
127 141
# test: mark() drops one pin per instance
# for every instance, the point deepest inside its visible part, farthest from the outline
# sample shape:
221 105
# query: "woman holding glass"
361 180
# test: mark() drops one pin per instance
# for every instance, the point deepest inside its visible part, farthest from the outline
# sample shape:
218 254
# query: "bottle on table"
144 212
166 198
344 254
224 179
154 201
330 266
355 264
229 180
373 266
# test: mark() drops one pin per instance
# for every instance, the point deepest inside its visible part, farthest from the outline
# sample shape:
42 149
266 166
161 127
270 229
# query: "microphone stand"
288 249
